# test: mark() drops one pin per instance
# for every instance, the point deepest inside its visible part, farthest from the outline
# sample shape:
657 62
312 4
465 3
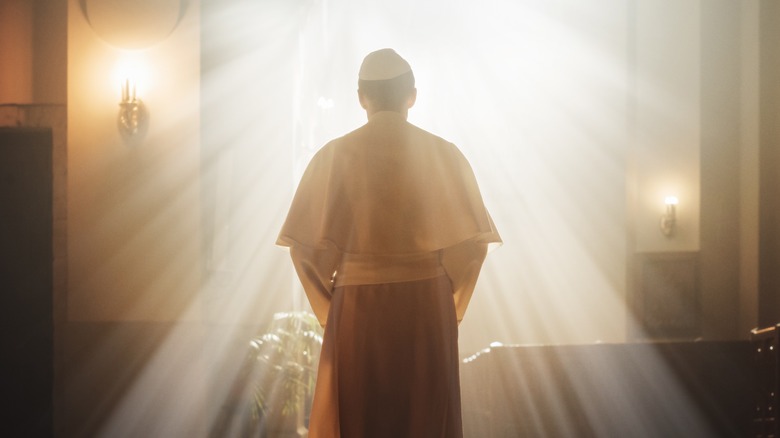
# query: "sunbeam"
544 98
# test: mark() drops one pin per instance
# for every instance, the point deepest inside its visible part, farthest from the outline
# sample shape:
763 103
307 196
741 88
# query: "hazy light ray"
663 384
169 387
510 104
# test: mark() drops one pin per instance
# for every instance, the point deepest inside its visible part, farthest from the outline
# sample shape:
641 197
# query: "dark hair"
390 94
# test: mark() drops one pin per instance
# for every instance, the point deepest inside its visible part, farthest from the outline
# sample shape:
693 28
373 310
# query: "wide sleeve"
315 269
462 263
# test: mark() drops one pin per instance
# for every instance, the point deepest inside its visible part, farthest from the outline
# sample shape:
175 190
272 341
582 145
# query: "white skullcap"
382 65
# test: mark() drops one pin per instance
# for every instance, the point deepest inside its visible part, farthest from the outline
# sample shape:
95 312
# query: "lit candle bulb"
669 218
671 204
125 90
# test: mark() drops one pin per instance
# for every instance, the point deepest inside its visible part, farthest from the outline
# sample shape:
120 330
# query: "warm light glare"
130 75
533 93
324 103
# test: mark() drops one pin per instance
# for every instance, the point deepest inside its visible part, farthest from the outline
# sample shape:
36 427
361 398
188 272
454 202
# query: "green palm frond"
284 361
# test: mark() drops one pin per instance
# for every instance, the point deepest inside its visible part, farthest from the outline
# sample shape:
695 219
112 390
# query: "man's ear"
412 98
363 100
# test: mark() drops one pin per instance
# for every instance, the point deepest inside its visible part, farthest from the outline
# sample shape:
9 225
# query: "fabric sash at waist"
356 269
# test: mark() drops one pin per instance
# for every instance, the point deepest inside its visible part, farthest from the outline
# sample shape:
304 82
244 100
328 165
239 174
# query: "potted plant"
282 363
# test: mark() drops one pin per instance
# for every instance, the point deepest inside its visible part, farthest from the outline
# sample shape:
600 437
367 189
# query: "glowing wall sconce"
132 113
669 218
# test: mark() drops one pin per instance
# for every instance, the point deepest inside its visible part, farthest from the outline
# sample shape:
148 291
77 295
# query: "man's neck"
404 113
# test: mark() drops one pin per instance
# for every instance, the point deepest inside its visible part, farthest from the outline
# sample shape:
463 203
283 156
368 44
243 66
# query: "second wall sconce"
669 218
132 113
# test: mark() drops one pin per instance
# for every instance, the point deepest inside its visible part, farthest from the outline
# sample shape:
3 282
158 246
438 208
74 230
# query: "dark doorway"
26 338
